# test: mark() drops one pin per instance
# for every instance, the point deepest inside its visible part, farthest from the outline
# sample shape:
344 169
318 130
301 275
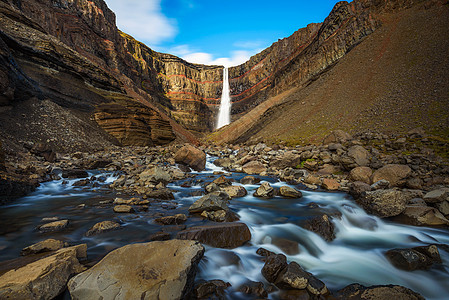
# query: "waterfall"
224 114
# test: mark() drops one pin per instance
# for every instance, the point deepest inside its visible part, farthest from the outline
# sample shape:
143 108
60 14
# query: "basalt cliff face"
69 53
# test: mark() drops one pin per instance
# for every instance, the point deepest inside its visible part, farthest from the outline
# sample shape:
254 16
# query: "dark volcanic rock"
192 157
322 226
213 289
419 258
383 203
360 292
274 265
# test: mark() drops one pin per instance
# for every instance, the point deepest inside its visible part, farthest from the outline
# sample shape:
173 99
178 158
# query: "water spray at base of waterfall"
224 114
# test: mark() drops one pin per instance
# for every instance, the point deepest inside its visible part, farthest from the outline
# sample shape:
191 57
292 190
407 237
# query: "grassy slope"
395 80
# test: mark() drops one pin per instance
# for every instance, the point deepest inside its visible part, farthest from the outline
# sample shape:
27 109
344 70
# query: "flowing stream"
224 114
355 256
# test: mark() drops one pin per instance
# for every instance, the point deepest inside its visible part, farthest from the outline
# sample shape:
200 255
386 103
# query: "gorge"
318 169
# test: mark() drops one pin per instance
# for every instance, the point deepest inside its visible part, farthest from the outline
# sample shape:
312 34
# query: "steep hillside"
395 80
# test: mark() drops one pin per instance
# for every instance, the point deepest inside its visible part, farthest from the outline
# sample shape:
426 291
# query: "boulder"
213 289
419 258
383 203
249 180
220 216
45 151
359 155
102 227
289 192
255 289
161 194
222 181
337 136
423 216
393 173
287 159
254 167
211 202
265 191
192 157
212 187
322 226
155 175
54 226
123 209
274 265
44 246
74 173
330 184
437 196
295 277
287 246
154 270
45 278
172 220
362 174
356 189
235 191
222 235
359 292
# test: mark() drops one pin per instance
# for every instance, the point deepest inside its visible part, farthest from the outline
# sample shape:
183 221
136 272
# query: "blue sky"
215 32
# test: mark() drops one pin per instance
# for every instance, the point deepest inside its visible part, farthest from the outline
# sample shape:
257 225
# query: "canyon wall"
71 52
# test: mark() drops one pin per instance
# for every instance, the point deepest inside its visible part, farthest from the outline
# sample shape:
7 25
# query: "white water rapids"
224 114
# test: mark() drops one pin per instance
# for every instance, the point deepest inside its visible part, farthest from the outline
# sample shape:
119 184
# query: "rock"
154 270
253 288
360 155
254 167
443 207
289 192
249 180
159 236
102 227
211 202
294 295
264 252
155 175
292 277
162 194
362 174
235 191
287 246
423 216
45 278
437 196
191 156
330 184
408 259
222 181
123 209
337 136
220 216
356 189
265 191
54 226
45 151
311 165
213 289
359 292
383 203
74 173
395 174
225 162
43 246
312 180
287 159
212 187
322 226
274 265
172 220
121 201
222 235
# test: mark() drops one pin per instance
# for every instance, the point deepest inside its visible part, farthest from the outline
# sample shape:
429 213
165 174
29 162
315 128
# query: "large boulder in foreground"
395 174
377 292
192 157
383 203
155 270
45 278
223 235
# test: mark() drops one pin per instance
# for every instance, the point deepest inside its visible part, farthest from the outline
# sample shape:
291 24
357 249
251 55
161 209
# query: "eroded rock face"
155 270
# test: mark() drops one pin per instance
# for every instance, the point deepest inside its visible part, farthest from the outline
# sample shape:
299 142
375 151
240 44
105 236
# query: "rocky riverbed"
350 218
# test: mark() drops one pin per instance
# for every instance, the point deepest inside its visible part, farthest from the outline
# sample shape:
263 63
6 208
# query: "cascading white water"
224 114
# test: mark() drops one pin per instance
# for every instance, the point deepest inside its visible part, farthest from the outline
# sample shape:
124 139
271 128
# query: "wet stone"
123 209
54 226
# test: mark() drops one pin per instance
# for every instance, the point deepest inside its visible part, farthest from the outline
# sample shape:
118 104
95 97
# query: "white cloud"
236 58
143 19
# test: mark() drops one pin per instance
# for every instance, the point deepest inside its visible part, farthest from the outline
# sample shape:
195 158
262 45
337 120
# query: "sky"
215 32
